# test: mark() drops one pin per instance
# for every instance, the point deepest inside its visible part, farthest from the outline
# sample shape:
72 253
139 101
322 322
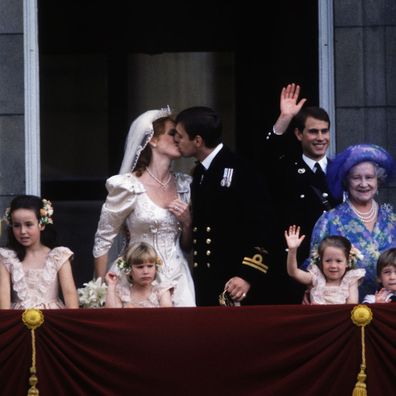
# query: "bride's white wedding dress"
128 203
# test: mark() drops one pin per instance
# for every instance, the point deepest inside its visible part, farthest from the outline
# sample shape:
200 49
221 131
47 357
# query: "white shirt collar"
311 163
208 160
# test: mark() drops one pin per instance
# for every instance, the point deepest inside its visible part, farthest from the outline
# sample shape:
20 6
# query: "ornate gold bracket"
361 316
33 318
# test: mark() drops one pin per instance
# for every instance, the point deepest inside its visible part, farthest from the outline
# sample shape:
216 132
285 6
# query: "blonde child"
132 284
32 266
330 277
386 276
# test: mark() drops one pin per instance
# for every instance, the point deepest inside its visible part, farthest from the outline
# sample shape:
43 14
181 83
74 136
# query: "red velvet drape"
258 350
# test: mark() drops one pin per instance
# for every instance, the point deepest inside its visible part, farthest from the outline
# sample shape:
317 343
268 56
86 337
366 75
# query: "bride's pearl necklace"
366 217
164 185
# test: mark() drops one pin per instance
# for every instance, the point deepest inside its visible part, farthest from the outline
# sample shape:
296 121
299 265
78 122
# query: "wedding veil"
140 133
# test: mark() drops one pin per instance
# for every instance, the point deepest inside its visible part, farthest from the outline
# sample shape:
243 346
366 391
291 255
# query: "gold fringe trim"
361 316
33 318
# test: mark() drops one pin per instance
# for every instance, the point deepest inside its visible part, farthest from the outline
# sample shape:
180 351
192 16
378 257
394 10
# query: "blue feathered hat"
339 167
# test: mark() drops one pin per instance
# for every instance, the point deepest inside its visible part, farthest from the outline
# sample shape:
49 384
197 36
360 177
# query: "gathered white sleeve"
122 192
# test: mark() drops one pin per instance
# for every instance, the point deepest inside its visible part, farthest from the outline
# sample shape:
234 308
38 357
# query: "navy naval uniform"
299 196
230 228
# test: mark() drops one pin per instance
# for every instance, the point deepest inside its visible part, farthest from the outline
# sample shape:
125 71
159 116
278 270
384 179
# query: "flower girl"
330 277
32 267
133 284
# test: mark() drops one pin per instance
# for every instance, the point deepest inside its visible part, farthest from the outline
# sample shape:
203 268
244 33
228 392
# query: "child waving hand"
330 277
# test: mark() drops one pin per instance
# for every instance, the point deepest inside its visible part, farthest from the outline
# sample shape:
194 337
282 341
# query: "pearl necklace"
164 185
366 217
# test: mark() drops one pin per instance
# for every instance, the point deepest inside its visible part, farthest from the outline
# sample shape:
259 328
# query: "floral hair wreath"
46 213
354 255
125 267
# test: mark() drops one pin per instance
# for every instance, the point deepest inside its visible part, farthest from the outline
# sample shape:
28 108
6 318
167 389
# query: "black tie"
320 178
199 172
318 170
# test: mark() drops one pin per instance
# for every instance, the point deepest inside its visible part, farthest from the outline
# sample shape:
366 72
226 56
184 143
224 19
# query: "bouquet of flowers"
93 294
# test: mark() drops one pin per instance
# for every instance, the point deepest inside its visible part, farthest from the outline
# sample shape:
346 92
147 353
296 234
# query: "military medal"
227 177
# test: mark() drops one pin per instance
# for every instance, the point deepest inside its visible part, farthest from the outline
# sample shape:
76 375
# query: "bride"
152 203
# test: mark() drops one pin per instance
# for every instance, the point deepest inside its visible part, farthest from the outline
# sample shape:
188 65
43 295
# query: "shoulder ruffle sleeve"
56 258
162 287
59 256
317 275
7 258
122 192
183 182
354 275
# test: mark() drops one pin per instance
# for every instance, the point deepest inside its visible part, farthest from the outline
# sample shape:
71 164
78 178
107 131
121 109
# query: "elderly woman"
356 174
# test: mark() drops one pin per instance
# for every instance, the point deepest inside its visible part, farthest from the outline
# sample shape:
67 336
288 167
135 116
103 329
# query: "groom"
230 214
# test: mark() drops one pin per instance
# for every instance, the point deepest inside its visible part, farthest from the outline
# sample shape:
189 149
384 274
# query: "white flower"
354 255
123 265
93 294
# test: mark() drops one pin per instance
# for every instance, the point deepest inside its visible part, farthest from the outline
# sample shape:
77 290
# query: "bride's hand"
181 211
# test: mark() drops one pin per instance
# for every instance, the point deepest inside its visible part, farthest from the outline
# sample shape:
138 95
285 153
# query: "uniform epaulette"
256 262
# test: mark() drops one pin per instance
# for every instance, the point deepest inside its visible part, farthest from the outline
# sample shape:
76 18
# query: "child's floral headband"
354 256
123 265
46 213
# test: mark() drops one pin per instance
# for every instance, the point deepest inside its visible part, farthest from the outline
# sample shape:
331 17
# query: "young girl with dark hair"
330 277
32 266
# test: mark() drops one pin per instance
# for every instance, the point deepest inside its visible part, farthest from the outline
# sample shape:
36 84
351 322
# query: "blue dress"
343 221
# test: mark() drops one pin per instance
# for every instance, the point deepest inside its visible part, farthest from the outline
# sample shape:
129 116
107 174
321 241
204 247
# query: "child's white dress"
38 287
129 203
320 293
152 301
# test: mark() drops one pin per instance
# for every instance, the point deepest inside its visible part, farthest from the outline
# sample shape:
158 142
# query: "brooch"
301 171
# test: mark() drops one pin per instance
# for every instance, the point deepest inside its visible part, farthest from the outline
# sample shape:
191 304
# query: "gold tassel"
361 316
33 318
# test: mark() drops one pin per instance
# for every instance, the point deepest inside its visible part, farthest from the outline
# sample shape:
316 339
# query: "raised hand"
293 238
289 107
289 104
380 296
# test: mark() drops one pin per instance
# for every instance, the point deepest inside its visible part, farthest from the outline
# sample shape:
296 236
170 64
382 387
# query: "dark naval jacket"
299 196
231 225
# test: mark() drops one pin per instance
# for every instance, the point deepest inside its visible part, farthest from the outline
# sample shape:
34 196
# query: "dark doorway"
85 103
